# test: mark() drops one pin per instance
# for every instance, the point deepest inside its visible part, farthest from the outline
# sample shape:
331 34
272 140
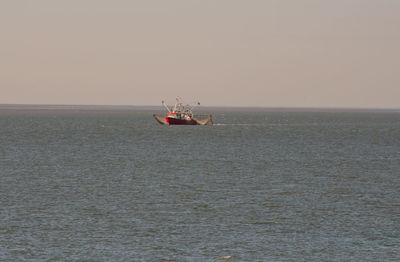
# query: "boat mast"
178 107
163 103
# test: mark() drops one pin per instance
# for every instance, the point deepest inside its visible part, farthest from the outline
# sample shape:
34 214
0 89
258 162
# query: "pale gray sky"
272 53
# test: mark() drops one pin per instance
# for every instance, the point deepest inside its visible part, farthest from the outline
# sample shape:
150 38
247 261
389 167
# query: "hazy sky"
272 53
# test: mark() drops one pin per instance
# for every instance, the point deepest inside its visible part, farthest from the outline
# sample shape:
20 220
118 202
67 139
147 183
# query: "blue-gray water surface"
114 185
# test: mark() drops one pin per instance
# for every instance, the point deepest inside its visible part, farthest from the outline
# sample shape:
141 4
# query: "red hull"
175 121
196 120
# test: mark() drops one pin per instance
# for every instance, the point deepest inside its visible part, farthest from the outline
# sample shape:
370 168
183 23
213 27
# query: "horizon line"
99 106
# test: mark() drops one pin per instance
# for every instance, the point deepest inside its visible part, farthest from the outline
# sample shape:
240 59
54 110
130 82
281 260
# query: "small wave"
243 124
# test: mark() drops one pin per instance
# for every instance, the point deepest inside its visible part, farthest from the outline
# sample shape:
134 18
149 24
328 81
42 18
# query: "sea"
111 184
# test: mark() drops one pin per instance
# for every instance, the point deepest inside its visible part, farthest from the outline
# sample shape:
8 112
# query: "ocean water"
259 185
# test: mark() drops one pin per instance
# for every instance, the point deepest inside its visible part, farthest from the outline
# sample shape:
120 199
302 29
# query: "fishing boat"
182 115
